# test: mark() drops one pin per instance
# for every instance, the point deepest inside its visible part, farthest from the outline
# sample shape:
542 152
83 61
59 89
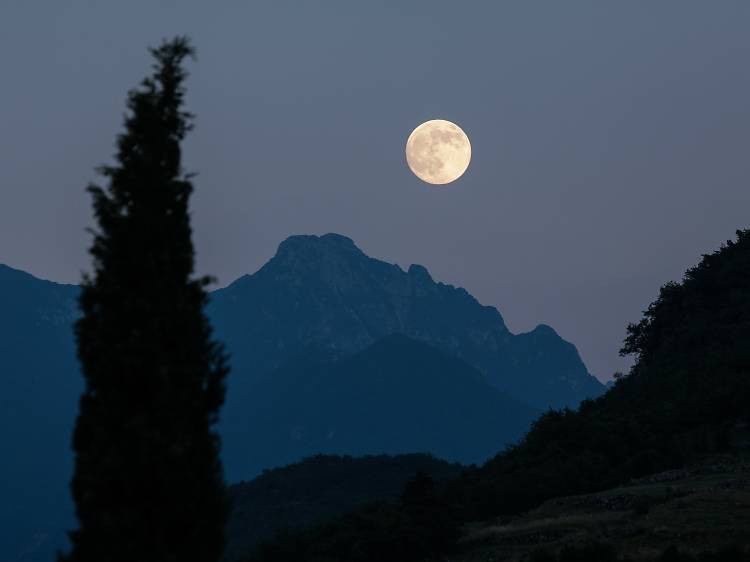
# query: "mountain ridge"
324 291
42 384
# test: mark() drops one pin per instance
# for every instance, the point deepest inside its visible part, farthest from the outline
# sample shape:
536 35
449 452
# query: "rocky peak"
310 246
323 292
545 330
419 273
332 257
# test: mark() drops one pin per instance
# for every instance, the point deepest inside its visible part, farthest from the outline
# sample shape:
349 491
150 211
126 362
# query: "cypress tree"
148 484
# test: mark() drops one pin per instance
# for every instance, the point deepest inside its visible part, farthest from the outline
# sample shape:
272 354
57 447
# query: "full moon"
438 151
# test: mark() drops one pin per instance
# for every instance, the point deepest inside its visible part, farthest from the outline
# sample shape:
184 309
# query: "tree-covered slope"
319 487
686 396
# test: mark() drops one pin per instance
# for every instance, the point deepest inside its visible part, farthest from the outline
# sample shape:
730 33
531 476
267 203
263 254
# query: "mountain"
314 319
39 396
395 396
323 292
685 404
319 487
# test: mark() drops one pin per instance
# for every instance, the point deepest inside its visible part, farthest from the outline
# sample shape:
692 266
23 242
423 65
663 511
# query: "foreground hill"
686 398
319 487
704 508
700 513
688 395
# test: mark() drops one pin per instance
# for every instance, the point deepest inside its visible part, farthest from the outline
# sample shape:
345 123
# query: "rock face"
325 293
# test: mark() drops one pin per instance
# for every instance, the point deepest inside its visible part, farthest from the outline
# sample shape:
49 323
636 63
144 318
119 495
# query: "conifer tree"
148 484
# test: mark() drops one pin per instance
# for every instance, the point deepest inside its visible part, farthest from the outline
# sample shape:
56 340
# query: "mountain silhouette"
677 424
314 357
395 396
324 292
38 402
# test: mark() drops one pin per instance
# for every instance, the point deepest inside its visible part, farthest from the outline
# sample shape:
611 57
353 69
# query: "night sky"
611 140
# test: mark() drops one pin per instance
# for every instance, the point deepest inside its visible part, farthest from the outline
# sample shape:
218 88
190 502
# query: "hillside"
686 398
701 508
317 488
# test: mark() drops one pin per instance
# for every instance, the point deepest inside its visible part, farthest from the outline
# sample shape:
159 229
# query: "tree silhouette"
148 484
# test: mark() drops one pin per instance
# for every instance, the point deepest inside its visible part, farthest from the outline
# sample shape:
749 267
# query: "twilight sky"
610 140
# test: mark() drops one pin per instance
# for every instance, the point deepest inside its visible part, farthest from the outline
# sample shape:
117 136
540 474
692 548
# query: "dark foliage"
683 398
728 554
593 552
603 552
419 527
148 483
320 488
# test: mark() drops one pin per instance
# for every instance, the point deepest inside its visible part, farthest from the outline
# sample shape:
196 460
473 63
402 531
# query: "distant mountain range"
39 392
321 299
323 292
331 351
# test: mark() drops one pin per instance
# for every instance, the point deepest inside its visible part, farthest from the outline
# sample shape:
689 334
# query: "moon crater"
438 151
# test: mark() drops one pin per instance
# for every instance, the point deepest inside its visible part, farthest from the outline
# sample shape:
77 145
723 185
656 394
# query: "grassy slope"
704 507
